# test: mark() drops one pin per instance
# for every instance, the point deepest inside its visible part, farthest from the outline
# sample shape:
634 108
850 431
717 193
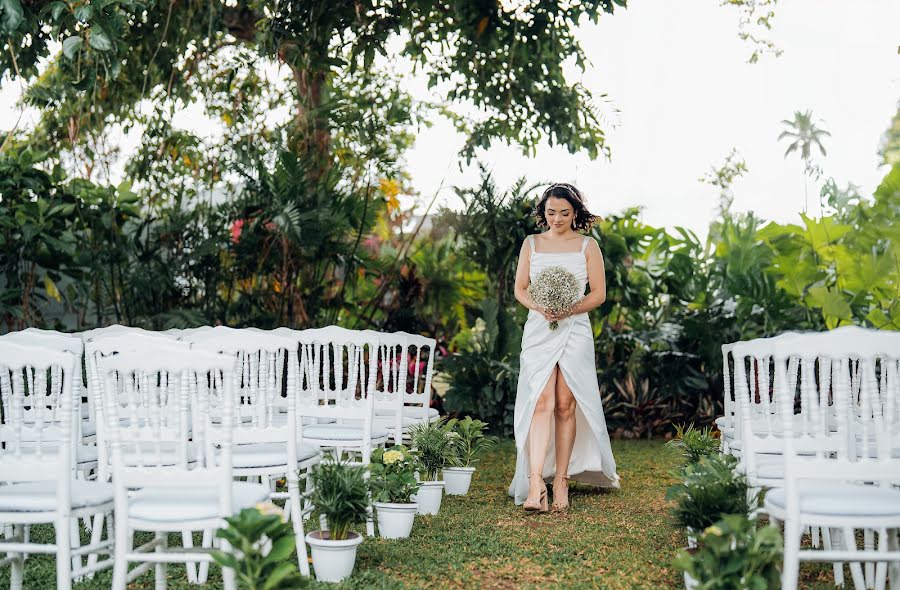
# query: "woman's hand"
554 316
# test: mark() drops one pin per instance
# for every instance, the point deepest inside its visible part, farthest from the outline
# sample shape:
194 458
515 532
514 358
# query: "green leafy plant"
341 494
734 554
435 446
710 489
393 476
261 547
470 441
692 443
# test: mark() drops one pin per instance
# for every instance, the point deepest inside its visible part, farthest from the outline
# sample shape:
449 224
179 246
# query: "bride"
559 425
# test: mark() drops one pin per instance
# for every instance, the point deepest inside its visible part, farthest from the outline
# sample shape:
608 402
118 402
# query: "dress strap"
531 241
584 243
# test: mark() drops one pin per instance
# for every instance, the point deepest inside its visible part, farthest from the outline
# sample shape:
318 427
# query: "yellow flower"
392 457
269 508
713 530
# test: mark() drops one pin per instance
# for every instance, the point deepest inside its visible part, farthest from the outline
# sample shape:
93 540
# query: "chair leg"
17 567
96 529
814 534
64 552
856 570
229 579
75 540
833 540
203 567
869 545
122 546
187 541
894 545
162 540
293 504
881 566
791 571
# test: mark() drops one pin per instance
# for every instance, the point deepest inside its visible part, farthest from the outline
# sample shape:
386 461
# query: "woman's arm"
596 279
522 278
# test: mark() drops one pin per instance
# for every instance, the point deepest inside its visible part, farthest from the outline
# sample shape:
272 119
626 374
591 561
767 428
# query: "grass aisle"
616 539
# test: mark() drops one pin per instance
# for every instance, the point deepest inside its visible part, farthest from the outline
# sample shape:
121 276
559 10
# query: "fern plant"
710 489
693 443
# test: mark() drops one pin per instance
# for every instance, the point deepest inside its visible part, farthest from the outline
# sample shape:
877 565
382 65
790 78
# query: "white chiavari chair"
827 482
337 381
38 466
147 401
265 439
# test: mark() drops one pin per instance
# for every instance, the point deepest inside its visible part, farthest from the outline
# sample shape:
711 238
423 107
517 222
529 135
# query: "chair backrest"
147 398
37 433
868 423
267 366
337 373
105 347
115 330
421 354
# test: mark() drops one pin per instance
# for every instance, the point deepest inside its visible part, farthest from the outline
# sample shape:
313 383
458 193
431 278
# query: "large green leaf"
834 305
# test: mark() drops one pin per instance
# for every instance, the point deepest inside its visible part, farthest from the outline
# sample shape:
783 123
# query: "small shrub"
434 445
261 547
734 553
393 476
341 493
470 441
711 488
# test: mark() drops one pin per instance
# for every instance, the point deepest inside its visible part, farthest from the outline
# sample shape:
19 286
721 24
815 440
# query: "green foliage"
734 554
434 444
394 479
694 443
341 494
261 550
470 441
711 488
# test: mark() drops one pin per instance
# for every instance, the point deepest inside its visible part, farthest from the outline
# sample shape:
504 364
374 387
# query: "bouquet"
556 290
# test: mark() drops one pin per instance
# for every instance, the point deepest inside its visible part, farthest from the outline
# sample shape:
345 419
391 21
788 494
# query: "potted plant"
340 494
393 484
261 546
469 442
693 444
733 553
710 489
434 448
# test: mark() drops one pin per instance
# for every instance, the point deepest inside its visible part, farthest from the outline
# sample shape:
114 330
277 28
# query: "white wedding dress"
571 346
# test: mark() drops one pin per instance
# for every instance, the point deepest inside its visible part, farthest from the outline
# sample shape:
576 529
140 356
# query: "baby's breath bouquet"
556 290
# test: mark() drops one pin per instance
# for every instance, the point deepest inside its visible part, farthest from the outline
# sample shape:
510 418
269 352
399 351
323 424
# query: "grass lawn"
608 539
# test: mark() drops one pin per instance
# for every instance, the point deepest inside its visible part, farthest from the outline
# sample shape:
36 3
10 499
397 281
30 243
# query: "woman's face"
559 214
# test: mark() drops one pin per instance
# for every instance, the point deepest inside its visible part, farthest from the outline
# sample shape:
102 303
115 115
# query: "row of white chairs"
171 416
815 422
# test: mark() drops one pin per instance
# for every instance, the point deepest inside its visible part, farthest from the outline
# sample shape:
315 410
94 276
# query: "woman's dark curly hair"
584 219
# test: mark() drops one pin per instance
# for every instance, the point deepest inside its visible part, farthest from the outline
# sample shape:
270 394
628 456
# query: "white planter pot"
689 582
333 560
395 521
458 480
429 497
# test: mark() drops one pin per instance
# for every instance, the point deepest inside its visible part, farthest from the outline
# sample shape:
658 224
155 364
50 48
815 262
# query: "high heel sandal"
561 507
541 504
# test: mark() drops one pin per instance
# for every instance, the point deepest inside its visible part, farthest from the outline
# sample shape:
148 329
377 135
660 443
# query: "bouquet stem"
554 325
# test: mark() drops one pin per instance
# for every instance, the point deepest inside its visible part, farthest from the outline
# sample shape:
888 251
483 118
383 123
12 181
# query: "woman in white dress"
559 425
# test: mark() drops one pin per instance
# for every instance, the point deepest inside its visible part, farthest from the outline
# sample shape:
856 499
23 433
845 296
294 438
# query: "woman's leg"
539 435
564 415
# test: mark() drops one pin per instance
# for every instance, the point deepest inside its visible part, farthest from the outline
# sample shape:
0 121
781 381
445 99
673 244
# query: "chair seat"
268 454
40 496
840 499
770 466
342 432
410 412
180 504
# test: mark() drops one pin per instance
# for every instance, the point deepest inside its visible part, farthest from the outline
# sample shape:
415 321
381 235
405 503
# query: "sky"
677 74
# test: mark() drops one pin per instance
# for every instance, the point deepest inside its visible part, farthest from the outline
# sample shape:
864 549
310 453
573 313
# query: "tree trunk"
311 135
